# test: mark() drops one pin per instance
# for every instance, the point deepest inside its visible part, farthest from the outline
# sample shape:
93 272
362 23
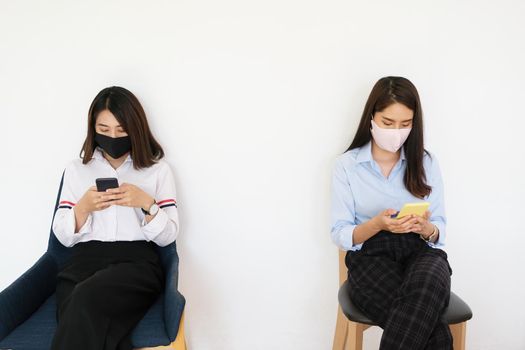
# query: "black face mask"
116 147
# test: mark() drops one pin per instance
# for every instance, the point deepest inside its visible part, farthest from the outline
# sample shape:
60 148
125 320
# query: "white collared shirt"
117 223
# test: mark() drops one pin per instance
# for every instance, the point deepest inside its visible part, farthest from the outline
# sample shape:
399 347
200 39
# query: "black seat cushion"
457 311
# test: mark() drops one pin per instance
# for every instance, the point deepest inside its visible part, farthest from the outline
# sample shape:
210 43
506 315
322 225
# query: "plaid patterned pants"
403 285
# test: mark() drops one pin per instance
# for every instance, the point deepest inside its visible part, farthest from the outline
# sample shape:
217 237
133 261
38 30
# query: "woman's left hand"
423 226
131 196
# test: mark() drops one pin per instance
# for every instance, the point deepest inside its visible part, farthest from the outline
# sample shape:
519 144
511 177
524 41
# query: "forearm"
81 217
365 231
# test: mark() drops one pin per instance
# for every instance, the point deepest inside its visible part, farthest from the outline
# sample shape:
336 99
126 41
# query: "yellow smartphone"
418 209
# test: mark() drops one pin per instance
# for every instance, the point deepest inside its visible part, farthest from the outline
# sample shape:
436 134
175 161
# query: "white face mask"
390 140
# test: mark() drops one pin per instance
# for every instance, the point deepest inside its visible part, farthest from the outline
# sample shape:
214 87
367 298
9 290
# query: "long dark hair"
387 91
145 150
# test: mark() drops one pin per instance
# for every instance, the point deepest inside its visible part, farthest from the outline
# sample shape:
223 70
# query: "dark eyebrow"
107 126
391 120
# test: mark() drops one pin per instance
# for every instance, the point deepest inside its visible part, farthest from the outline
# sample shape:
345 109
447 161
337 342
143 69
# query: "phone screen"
105 183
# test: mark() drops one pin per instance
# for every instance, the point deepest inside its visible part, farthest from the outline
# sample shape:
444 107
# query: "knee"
430 284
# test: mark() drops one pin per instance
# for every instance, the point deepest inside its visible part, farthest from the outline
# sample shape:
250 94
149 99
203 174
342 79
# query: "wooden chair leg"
459 333
178 344
354 339
180 341
341 330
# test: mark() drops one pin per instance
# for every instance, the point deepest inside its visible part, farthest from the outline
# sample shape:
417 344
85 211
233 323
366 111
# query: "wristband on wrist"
432 235
153 209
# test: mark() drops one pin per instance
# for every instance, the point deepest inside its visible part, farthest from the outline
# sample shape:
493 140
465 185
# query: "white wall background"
252 101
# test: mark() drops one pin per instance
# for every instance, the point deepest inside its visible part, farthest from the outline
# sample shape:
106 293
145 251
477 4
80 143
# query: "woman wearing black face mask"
114 274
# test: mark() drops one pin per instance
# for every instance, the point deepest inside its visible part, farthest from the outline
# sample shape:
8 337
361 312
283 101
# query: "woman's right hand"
387 223
93 200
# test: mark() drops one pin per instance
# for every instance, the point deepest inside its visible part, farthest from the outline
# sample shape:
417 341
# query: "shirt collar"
97 154
365 153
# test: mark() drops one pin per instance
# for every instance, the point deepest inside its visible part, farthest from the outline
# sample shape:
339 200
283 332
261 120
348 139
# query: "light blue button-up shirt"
360 191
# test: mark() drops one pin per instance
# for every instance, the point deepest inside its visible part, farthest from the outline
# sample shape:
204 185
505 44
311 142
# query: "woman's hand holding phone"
399 226
93 200
407 224
126 195
384 222
131 196
423 226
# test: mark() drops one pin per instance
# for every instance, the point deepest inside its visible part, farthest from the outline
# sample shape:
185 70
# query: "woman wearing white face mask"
397 268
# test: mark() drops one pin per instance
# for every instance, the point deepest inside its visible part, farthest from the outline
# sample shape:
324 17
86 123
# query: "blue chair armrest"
173 301
25 295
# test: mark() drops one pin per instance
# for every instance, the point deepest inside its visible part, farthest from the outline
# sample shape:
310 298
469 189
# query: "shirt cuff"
153 228
64 227
344 238
440 243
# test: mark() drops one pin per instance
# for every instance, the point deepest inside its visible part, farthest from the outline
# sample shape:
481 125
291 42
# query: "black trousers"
403 285
103 292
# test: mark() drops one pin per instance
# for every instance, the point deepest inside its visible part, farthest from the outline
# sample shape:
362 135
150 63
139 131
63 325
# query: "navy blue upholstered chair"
28 305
